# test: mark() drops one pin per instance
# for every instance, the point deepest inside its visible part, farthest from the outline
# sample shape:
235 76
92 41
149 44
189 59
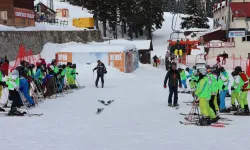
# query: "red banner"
24 13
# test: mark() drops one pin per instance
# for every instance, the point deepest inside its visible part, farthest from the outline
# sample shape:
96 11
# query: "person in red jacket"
244 89
218 60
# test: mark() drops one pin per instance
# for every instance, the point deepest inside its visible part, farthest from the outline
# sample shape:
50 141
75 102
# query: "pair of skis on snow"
99 110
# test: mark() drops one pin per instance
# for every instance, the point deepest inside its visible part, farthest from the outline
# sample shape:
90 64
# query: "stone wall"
35 40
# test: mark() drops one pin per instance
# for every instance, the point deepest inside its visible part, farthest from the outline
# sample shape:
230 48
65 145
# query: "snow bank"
140 44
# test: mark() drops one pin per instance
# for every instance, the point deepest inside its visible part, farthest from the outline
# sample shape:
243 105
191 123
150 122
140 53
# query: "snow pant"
155 63
216 103
235 96
243 99
184 83
15 97
24 88
50 87
222 99
212 103
97 79
205 109
173 90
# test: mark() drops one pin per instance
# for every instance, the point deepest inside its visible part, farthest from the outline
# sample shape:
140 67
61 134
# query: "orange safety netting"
26 55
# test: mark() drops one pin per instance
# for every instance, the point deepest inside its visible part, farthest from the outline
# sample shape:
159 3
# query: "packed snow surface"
139 119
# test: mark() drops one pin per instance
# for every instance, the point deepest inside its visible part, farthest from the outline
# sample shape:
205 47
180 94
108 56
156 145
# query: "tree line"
141 17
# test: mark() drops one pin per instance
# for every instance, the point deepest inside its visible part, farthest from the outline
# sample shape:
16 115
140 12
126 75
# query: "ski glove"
223 87
165 86
232 88
77 73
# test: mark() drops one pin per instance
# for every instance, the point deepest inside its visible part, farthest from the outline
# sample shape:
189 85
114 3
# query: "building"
18 13
44 12
231 32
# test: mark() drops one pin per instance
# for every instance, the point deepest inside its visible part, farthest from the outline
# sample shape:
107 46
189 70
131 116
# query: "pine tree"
196 15
209 8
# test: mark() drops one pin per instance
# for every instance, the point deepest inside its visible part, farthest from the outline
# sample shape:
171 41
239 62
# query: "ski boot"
176 105
102 85
205 121
15 112
234 108
225 111
240 112
246 110
2 110
170 104
31 105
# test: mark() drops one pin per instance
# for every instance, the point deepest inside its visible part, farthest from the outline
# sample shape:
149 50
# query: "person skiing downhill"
101 70
174 81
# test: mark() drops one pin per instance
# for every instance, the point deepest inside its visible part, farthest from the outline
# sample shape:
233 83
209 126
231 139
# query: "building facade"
18 13
231 28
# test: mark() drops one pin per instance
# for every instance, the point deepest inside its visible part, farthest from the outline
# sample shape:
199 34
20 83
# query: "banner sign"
24 13
237 34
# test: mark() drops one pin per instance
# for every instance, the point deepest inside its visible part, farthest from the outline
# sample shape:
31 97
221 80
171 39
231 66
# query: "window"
244 39
232 18
3 15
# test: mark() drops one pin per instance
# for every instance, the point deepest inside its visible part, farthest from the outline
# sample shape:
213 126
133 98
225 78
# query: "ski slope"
139 119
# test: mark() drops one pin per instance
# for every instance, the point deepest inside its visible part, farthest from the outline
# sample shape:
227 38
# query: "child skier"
235 90
212 78
244 91
223 87
204 95
183 79
13 85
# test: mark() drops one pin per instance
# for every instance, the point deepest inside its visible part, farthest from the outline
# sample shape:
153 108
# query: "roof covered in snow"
99 48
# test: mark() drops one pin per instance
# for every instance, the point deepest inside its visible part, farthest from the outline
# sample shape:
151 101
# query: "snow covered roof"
98 48
140 44
196 30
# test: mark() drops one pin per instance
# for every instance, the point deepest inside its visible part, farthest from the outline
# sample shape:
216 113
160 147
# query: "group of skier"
31 82
210 87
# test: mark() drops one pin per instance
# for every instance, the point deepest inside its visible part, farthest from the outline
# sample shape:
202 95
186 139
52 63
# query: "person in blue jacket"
24 86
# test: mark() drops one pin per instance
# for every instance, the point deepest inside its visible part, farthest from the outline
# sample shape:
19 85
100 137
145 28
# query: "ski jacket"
101 69
183 75
13 81
223 80
38 74
56 69
155 58
245 79
174 78
213 84
68 72
203 90
237 84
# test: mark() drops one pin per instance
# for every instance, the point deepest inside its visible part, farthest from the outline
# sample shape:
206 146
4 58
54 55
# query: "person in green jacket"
73 76
13 85
56 68
204 95
68 73
236 90
223 87
183 79
212 78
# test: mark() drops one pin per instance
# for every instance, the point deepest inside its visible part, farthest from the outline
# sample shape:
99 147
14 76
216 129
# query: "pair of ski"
21 115
175 107
99 110
195 114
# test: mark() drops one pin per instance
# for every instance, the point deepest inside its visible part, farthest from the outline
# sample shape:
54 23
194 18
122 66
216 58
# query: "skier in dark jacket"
101 70
155 58
174 80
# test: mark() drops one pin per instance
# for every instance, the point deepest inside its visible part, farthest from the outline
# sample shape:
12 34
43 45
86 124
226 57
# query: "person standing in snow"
244 91
101 70
235 90
183 79
155 58
223 87
212 78
204 95
174 81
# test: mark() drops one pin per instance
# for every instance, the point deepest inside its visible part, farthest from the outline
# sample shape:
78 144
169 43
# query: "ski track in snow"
138 119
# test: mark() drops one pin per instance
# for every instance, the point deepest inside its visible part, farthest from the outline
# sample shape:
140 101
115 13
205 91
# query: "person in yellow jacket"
204 95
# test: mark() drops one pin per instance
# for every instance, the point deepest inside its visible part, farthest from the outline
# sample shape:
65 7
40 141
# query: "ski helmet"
221 69
74 66
63 66
238 69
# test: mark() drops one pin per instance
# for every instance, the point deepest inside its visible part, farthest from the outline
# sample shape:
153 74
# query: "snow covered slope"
138 119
